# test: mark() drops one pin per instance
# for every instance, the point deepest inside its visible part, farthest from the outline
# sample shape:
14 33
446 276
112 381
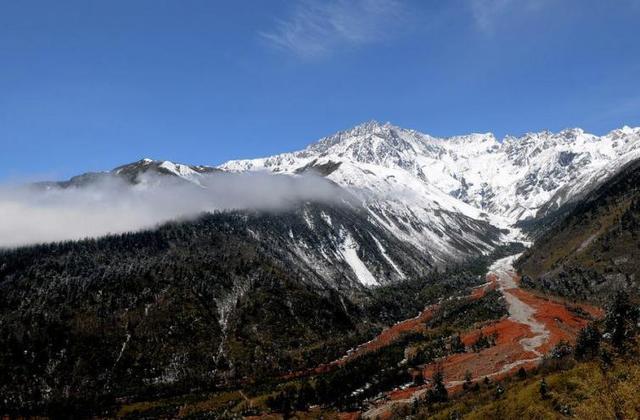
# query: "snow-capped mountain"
139 172
443 200
191 173
512 178
359 246
440 194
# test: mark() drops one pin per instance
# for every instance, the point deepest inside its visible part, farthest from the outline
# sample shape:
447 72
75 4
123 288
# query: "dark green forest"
198 306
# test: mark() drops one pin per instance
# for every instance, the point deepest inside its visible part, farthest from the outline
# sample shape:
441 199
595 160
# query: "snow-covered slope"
446 199
135 171
440 193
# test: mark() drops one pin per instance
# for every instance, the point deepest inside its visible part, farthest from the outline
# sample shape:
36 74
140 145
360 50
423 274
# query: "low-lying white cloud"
31 214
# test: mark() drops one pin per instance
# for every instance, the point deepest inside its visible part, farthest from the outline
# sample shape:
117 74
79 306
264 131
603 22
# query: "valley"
521 337
534 325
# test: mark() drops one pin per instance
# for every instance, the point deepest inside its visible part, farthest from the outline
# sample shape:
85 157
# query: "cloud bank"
30 214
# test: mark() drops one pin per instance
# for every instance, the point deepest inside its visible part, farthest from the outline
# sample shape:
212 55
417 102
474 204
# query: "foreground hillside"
565 385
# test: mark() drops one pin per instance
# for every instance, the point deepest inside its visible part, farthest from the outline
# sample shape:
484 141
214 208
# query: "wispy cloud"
486 13
315 29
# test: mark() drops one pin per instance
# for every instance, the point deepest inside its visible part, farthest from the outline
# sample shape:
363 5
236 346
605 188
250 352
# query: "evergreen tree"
484 342
467 380
306 395
621 321
414 406
544 389
457 346
438 391
588 343
522 373
418 378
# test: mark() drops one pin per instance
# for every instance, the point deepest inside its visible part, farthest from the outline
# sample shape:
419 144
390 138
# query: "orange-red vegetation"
489 361
386 337
508 354
393 333
559 320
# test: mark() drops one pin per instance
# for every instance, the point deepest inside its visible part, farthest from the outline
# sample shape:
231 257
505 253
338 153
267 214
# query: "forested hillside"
595 249
191 306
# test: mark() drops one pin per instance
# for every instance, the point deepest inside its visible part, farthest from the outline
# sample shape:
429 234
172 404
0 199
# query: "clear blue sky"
88 85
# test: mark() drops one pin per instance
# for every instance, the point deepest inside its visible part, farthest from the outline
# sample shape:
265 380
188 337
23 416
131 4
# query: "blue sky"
88 85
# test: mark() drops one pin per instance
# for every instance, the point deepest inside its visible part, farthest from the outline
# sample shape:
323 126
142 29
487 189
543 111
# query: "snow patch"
349 253
326 218
386 257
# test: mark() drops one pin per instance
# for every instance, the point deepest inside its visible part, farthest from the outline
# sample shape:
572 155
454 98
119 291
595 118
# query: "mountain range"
252 299
449 198
503 181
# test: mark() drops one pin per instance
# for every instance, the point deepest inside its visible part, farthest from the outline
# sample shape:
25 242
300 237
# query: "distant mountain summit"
513 178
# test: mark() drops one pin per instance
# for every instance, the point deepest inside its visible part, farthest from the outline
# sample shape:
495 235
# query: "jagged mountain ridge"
513 178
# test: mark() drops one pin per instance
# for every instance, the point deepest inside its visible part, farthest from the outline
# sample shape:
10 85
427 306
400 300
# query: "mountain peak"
623 131
571 133
368 128
371 125
361 131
